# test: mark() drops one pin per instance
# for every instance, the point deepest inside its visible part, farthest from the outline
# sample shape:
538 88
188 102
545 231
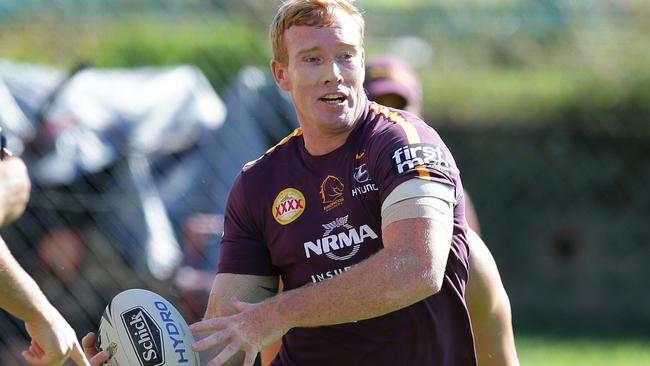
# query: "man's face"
324 74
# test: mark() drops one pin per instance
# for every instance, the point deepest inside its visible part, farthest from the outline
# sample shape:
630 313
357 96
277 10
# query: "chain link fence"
130 179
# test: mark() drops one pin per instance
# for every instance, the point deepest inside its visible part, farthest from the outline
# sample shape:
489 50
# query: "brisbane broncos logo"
331 192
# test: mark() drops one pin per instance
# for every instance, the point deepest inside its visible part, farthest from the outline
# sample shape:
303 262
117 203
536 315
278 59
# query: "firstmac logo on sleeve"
414 155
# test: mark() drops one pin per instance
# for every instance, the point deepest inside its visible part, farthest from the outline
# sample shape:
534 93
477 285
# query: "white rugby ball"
141 328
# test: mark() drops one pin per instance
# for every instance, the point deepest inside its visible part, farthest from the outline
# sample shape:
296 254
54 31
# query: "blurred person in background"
366 304
195 275
392 82
52 339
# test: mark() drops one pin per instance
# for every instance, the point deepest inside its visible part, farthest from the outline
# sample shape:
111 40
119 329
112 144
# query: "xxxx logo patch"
288 206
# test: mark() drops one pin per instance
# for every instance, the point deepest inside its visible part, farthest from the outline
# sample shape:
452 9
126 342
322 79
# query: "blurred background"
134 116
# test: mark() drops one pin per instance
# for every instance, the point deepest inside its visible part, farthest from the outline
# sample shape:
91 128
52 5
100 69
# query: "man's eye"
311 59
347 56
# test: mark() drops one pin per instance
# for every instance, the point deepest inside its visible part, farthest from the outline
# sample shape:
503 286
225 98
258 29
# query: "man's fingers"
36 349
77 355
30 357
249 360
100 358
238 305
88 344
42 360
95 357
209 341
88 340
224 355
206 325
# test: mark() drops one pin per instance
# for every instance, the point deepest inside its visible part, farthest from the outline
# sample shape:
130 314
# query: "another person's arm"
53 340
489 307
14 188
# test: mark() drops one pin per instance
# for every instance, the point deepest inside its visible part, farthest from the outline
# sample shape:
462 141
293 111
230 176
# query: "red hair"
313 13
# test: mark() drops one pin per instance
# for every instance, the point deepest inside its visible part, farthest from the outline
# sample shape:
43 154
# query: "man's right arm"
246 288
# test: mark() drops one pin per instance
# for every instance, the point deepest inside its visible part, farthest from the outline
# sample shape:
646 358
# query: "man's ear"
279 70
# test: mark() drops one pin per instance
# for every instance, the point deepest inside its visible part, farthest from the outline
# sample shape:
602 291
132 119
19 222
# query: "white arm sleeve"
419 198
420 188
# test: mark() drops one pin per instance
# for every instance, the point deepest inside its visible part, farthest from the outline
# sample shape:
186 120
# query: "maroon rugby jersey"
309 218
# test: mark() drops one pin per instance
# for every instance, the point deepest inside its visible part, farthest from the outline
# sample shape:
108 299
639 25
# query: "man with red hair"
375 270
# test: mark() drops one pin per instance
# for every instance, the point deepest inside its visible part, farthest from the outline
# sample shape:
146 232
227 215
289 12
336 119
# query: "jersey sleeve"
407 148
242 250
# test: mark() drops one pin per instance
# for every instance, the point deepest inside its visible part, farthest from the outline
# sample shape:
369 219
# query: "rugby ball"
141 328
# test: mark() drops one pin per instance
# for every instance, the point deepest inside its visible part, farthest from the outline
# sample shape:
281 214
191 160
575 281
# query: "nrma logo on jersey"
341 246
145 336
413 155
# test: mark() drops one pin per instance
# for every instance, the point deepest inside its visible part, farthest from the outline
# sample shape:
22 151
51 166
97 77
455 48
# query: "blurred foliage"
490 61
220 47
582 63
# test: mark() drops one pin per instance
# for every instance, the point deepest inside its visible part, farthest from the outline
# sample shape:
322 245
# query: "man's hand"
248 330
96 358
53 342
14 189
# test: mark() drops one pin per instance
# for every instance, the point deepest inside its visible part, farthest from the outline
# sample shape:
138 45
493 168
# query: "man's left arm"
409 268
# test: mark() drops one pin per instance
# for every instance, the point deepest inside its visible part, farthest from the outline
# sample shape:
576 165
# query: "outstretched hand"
248 330
52 343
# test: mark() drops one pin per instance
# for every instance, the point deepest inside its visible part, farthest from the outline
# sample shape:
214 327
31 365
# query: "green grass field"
546 351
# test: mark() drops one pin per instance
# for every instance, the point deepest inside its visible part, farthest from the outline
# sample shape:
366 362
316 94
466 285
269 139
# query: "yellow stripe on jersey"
297 132
411 132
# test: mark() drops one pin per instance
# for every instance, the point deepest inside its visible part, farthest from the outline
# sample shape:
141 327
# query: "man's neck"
318 143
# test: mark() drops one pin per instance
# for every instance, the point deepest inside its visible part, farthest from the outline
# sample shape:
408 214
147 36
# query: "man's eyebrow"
316 48
308 50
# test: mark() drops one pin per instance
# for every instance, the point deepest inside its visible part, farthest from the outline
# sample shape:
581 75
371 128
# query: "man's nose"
332 73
